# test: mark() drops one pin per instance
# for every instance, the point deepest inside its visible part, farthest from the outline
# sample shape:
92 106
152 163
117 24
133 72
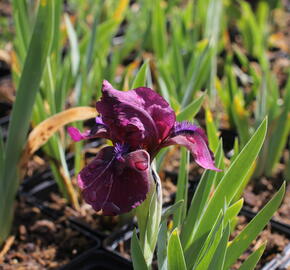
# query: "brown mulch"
40 242
87 215
258 193
275 244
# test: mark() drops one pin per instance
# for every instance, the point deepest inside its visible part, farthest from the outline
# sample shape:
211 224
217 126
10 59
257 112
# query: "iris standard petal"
159 109
139 117
116 186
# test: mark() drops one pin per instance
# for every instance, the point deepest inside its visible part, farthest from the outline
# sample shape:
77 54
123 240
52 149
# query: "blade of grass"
233 211
171 210
20 16
158 30
211 131
38 51
226 190
251 231
240 116
218 258
192 85
287 170
33 68
175 253
140 79
182 186
278 141
2 155
137 255
178 62
209 244
92 43
166 83
189 112
162 246
200 199
75 54
212 31
251 262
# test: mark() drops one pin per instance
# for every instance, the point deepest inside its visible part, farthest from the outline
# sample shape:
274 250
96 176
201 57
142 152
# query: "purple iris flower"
139 123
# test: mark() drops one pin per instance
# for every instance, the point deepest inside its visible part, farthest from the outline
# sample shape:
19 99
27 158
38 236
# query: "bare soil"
41 242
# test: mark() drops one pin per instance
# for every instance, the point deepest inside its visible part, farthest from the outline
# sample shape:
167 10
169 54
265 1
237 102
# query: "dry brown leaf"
279 40
9 242
43 131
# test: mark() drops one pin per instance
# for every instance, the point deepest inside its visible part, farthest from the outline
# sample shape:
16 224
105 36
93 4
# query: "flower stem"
149 216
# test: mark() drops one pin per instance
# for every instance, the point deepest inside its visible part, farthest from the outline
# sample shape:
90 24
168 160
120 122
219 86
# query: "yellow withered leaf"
43 131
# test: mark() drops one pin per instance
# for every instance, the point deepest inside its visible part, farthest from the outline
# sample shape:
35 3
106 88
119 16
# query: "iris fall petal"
116 186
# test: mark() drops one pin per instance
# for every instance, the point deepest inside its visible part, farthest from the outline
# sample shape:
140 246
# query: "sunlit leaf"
137 255
175 253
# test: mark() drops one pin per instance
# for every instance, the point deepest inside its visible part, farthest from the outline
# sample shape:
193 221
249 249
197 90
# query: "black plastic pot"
228 136
54 214
98 259
5 109
124 235
4 69
37 190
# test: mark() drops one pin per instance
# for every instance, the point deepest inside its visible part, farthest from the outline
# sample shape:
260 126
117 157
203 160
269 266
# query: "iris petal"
139 117
194 139
116 186
98 131
76 135
159 109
